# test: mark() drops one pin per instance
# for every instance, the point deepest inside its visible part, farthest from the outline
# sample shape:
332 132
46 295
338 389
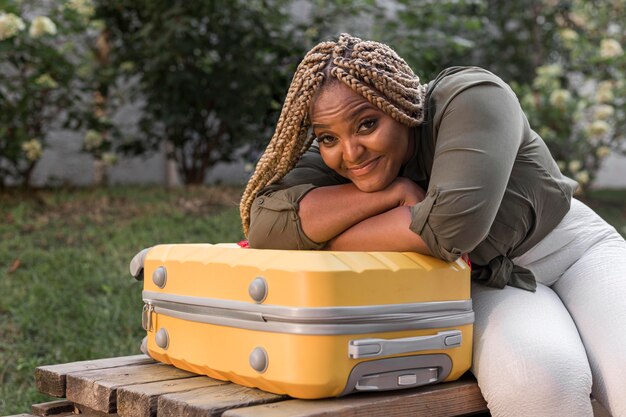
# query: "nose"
352 150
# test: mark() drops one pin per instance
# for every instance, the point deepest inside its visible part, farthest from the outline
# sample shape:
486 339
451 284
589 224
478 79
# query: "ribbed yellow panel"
307 278
303 366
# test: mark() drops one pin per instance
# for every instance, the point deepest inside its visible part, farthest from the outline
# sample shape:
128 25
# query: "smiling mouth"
364 168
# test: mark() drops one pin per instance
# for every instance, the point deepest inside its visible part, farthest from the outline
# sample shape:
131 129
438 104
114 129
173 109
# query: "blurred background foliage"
209 76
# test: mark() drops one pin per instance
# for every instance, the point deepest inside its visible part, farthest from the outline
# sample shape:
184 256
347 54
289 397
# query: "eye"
326 140
367 125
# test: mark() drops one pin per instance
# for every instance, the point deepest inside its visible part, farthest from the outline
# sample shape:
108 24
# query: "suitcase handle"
367 348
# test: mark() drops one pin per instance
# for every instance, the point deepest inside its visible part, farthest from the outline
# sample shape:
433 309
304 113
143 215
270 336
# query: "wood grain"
449 399
51 379
52 408
142 400
212 401
97 389
84 411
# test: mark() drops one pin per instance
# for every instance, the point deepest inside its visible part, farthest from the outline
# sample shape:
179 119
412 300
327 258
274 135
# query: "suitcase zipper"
146 316
312 320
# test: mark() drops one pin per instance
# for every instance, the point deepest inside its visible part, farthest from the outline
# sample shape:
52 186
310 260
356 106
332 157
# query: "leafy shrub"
38 88
576 99
211 75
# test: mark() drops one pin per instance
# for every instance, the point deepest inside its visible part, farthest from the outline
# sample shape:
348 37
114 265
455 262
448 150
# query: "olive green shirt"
493 189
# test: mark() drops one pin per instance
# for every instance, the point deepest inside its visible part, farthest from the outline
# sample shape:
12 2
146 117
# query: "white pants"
543 353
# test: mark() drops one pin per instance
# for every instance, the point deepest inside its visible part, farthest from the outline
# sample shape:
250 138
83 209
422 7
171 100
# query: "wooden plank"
142 400
52 408
51 379
88 412
97 389
448 399
213 401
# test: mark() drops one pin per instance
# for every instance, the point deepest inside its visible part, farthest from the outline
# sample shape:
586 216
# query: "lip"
364 168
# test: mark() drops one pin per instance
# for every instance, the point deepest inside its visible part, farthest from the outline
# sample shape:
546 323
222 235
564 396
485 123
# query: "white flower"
582 177
10 24
46 81
559 98
109 159
610 48
598 128
574 166
82 7
41 26
603 112
552 70
33 149
603 151
98 25
127 66
604 93
578 19
569 35
548 77
92 140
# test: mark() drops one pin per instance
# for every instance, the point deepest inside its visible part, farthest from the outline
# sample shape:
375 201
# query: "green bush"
38 84
564 59
576 100
211 74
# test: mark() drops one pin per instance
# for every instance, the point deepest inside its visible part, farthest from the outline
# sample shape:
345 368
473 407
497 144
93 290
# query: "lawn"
65 290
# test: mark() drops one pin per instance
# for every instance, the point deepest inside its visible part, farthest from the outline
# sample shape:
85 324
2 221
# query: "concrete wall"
64 163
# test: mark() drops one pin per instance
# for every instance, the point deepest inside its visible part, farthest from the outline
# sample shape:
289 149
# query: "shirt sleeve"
274 219
478 132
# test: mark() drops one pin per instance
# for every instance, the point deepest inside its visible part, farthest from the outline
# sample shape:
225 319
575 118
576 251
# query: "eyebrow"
354 113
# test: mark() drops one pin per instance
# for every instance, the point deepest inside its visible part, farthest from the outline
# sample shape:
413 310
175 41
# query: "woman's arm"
388 231
327 212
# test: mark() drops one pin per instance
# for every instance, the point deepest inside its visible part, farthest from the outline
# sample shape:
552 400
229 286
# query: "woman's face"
357 140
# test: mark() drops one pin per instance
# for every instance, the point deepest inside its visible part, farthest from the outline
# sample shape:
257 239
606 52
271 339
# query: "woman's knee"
549 385
528 357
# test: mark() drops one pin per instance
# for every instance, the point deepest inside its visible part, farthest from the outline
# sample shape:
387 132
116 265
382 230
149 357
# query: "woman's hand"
407 192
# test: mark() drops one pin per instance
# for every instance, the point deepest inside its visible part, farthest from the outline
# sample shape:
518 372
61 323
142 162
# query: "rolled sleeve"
274 221
478 134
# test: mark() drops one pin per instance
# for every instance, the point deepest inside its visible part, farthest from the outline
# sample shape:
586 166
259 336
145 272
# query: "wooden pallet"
137 386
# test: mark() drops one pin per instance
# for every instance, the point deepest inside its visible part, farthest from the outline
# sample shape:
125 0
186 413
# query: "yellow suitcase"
310 324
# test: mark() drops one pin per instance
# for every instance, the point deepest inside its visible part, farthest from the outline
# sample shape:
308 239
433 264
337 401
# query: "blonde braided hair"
369 68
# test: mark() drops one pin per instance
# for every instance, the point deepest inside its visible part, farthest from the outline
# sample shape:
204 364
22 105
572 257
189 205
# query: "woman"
365 157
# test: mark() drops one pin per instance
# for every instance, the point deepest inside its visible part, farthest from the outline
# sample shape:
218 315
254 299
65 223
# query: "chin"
371 187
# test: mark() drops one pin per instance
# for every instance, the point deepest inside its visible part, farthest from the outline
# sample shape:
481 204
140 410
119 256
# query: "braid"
371 69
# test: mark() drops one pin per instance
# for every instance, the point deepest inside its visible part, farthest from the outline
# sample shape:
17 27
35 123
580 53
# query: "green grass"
65 290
